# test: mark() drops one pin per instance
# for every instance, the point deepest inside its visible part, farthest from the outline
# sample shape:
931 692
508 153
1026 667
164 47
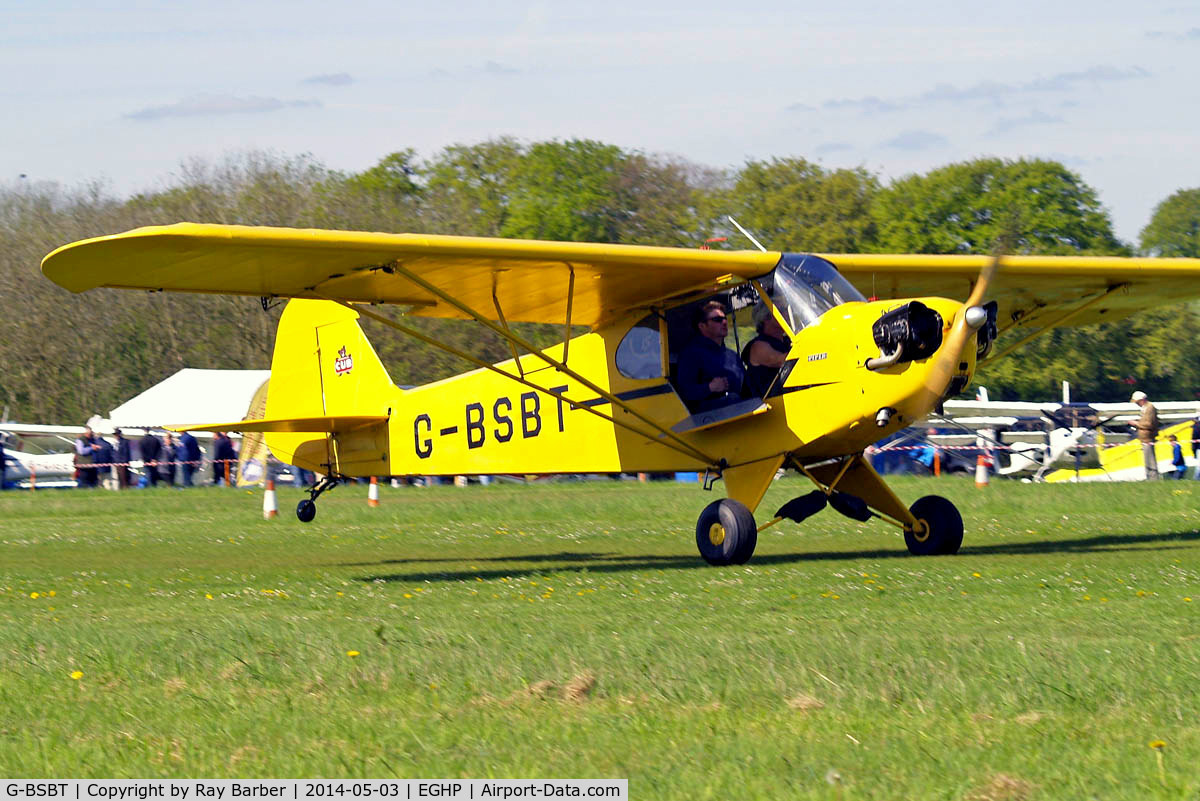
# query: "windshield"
805 287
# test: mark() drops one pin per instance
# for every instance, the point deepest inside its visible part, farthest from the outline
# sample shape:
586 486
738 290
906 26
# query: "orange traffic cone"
270 507
981 471
373 493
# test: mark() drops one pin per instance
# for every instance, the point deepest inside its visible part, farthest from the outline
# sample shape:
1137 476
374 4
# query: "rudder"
324 366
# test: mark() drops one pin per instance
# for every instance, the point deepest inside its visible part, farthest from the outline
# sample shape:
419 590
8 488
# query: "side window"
640 353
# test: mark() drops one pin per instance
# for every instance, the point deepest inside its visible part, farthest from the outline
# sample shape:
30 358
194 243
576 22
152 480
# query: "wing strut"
683 447
561 367
500 315
1057 321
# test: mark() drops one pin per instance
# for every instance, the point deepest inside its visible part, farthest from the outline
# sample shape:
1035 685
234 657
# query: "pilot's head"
711 321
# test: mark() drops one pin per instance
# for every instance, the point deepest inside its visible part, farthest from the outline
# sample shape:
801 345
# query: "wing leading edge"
529 280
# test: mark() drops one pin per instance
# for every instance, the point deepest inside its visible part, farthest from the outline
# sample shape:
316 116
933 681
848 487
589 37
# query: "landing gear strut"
306 510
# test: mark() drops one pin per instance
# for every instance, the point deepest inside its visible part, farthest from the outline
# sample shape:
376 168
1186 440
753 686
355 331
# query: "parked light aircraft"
1028 438
39 454
604 401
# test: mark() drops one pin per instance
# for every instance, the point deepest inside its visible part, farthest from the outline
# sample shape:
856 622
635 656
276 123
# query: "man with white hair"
1147 431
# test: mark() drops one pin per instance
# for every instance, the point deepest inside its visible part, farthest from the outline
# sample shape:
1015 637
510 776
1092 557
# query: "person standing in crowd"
187 453
1146 427
122 455
85 458
170 454
104 456
1196 445
150 448
1177 460
223 456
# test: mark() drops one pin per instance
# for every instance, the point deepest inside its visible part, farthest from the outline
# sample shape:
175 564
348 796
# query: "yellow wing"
1033 292
531 280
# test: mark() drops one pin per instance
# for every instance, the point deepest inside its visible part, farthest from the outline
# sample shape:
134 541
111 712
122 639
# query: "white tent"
189 396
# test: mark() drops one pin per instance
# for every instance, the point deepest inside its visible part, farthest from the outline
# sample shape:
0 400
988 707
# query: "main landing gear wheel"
940 530
726 533
306 510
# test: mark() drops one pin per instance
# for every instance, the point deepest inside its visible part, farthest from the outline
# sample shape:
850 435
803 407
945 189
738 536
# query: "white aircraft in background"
1057 441
39 454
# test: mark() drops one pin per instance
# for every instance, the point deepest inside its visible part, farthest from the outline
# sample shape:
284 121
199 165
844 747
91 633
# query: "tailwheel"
726 533
939 530
306 510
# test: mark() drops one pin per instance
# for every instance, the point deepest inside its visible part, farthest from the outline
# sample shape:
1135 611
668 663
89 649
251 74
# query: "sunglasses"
719 319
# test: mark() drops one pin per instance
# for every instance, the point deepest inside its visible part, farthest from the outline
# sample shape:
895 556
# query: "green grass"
571 631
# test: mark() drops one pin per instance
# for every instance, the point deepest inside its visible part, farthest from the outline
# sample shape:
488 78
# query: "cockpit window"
804 287
640 353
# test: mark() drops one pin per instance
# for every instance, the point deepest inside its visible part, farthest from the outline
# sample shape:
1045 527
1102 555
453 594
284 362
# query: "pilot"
710 375
766 353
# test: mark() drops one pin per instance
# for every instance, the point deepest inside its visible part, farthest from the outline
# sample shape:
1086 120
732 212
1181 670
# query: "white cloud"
216 105
331 79
917 140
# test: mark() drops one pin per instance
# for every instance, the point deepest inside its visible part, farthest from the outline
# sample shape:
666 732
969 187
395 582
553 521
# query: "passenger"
710 375
766 353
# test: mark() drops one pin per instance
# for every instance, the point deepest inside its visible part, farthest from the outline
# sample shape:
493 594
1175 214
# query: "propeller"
967 323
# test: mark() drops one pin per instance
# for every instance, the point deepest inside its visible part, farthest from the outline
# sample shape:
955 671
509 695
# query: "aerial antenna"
746 233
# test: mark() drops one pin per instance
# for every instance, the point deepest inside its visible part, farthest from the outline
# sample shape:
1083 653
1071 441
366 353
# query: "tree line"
69 356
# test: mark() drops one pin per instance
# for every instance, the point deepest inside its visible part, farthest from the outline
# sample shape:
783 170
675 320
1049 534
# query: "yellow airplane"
857 369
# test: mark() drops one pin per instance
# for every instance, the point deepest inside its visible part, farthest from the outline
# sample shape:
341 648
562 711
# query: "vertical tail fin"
324 365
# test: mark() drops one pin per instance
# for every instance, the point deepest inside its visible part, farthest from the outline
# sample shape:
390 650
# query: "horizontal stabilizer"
327 425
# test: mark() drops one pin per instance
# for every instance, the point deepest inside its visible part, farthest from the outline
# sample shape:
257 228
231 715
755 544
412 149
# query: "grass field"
570 630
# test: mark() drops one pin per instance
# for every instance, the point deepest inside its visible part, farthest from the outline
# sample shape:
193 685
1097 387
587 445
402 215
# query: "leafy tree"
1032 205
1174 229
794 204
468 187
566 191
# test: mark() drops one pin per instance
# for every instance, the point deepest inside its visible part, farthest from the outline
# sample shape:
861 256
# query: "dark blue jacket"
189 449
702 361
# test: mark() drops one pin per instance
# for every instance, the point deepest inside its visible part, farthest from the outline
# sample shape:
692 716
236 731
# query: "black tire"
306 510
726 533
943 532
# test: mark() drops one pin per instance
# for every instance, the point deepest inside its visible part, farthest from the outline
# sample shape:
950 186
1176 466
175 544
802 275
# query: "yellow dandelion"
34 595
977 575
340 594
52 593
1087 597
76 674
1141 593
1158 744
208 595
432 685
408 595
1187 598
352 654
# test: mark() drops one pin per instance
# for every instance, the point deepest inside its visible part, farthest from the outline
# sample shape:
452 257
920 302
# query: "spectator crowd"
168 460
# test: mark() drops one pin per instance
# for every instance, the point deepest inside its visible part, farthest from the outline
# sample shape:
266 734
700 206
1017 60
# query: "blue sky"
126 92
